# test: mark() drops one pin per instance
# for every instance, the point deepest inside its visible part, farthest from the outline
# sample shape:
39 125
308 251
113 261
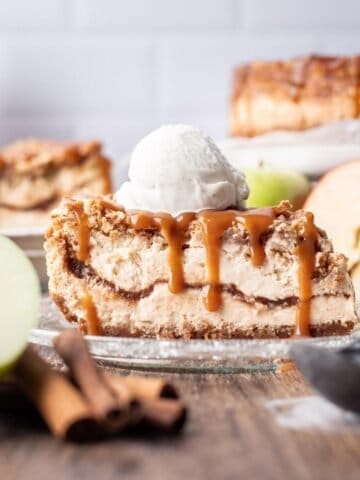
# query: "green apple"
19 302
269 186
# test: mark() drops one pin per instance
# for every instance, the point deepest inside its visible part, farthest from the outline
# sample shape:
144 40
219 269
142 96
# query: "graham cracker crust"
209 333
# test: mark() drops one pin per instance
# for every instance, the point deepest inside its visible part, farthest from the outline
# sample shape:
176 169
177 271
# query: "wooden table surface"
231 434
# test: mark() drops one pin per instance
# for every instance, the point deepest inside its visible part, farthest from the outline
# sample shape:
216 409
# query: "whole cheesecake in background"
294 95
36 174
174 254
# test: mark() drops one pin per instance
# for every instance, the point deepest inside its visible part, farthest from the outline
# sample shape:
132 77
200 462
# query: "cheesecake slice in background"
295 94
36 174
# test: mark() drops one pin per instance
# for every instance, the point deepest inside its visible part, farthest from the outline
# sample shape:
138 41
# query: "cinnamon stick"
161 414
117 387
14 400
144 387
61 406
141 401
73 349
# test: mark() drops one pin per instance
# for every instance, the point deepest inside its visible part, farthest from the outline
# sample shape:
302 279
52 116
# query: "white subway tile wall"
115 69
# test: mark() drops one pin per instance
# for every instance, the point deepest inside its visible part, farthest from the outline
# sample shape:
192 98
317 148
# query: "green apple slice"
19 302
270 186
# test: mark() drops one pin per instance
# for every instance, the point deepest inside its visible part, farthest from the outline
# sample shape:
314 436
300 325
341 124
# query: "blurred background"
115 69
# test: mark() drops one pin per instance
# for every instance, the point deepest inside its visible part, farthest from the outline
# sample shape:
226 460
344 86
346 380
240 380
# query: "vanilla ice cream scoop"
178 168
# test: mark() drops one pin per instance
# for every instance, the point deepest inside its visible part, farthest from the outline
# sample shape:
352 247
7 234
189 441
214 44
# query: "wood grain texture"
230 435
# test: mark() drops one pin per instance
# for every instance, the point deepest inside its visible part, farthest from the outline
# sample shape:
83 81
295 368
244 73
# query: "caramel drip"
83 232
214 224
306 253
174 231
91 316
256 223
105 166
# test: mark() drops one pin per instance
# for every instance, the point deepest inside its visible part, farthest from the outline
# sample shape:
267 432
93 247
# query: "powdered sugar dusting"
313 412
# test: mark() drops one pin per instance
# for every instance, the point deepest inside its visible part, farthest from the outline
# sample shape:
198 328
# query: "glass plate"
218 356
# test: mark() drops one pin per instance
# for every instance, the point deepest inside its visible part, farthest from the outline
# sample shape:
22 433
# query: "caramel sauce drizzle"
105 166
174 231
306 252
91 316
214 224
257 223
83 232
82 253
